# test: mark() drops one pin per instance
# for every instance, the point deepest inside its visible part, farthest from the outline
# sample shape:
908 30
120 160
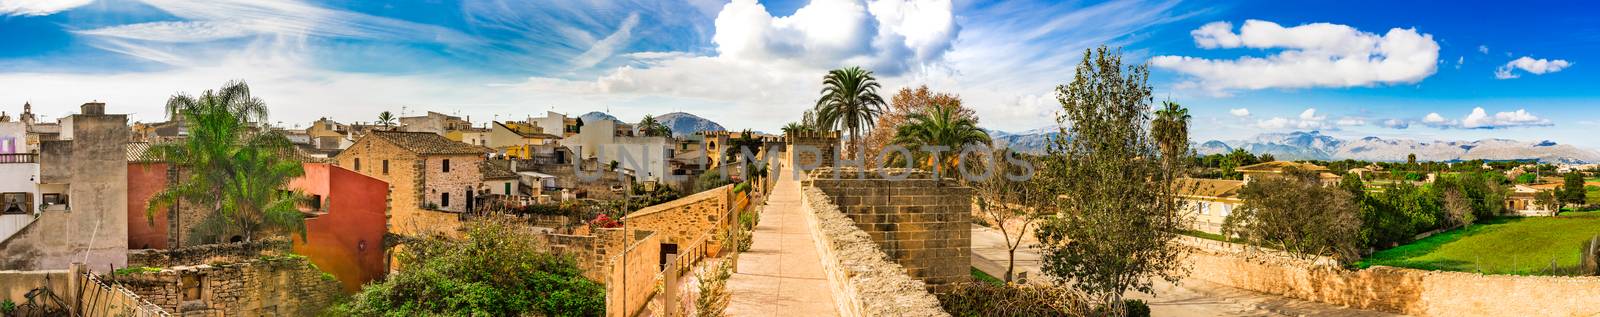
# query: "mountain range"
1313 145
681 123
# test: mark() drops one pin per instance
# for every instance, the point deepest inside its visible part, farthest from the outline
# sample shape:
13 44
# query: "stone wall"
593 252
685 219
1397 290
864 280
802 159
922 223
94 229
209 253
267 286
632 278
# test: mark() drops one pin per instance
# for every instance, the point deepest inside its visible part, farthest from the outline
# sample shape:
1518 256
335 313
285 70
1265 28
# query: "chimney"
94 108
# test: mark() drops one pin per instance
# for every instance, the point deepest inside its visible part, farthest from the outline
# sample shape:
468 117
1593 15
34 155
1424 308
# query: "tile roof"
526 131
1278 166
138 151
426 143
492 170
1203 187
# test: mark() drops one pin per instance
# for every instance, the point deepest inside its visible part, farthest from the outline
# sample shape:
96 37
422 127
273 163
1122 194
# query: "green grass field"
980 276
1519 246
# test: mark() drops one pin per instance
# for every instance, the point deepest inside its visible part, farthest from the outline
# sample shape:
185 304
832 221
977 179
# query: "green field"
1520 246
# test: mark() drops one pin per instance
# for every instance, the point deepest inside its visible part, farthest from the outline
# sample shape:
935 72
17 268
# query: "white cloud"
1460 60
1395 124
1307 120
890 37
38 7
1530 65
1483 49
1481 119
606 47
1351 121
1313 55
174 31
1241 112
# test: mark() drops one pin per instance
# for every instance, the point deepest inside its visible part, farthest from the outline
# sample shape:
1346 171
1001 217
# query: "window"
358 164
508 189
385 167
16 203
315 202
1205 208
446 165
193 286
444 200
55 199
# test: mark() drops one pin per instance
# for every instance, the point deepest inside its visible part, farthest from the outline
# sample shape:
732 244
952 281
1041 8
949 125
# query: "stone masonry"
921 223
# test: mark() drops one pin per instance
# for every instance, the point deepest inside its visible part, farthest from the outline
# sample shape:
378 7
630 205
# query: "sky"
1432 71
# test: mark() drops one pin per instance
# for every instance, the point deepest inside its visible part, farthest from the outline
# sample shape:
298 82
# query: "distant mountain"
1314 145
1034 141
683 124
593 116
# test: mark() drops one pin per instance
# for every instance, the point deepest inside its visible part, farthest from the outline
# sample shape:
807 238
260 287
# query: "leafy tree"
1397 213
1011 206
902 105
1550 199
500 269
650 127
1527 178
849 101
233 165
1411 159
1118 208
1572 189
1171 130
386 119
1351 183
1298 215
941 126
1457 208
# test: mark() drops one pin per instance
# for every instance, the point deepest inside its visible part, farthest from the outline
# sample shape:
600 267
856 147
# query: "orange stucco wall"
347 241
144 181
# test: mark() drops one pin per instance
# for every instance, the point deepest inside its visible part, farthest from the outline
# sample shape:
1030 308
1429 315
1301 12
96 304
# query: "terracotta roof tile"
426 143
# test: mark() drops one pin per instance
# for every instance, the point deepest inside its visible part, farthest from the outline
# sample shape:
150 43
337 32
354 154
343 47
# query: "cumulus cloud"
1532 66
889 37
1241 112
1394 123
1481 119
1351 121
1312 55
1307 120
38 7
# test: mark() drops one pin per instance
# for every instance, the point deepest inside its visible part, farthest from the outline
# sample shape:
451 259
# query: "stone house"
434 122
82 186
1278 168
1523 200
432 179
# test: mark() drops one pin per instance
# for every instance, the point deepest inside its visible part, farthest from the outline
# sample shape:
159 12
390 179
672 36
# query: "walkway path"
1190 297
781 275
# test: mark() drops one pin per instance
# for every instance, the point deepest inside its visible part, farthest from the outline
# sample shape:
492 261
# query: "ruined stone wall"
864 280
921 223
685 219
1396 290
267 286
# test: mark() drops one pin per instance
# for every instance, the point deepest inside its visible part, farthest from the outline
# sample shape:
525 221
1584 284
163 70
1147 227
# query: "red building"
344 234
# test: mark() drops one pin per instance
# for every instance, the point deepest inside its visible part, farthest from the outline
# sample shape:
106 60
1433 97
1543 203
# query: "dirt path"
1190 297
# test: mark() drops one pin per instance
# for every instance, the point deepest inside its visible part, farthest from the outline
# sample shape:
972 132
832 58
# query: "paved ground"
781 275
1190 297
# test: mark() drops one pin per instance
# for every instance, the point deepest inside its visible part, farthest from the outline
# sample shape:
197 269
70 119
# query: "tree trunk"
1011 263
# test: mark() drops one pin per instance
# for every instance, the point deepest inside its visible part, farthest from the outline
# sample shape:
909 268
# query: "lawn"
1519 246
985 277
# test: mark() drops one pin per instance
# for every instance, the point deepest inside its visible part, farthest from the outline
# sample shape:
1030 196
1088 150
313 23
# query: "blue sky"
1350 68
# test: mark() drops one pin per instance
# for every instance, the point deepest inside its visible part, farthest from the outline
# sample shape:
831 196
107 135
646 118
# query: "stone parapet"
864 280
922 223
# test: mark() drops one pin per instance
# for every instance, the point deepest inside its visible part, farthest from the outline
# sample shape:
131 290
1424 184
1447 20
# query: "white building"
19 174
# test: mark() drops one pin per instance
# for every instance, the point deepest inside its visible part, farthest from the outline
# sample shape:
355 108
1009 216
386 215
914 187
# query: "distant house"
526 141
1523 201
432 179
434 122
1209 201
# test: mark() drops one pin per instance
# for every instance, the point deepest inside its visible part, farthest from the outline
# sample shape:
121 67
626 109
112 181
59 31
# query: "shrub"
985 299
135 270
7 307
1135 308
497 270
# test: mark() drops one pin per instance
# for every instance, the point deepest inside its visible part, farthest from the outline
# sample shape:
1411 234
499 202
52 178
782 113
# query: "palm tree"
942 125
231 166
796 127
650 127
1171 129
386 119
849 101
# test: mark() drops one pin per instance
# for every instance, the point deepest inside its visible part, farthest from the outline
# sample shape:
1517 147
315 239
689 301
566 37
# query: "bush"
498 270
984 299
1135 308
7 307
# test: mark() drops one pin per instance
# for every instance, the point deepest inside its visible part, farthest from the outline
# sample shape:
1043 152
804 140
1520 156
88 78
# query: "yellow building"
1209 201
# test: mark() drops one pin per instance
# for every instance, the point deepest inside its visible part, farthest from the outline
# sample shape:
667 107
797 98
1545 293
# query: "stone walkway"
781 275
1190 297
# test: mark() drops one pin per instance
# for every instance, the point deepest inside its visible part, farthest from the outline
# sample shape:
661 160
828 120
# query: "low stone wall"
225 252
15 285
267 286
685 219
865 281
924 224
1396 290
633 275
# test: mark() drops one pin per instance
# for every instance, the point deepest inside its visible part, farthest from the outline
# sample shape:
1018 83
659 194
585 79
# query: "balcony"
18 158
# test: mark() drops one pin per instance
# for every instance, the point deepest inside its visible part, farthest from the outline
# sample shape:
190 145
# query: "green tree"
1411 159
499 269
1011 206
1397 213
1171 130
1118 209
234 166
849 101
1299 215
1573 190
650 127
386 119
941 126
796 127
